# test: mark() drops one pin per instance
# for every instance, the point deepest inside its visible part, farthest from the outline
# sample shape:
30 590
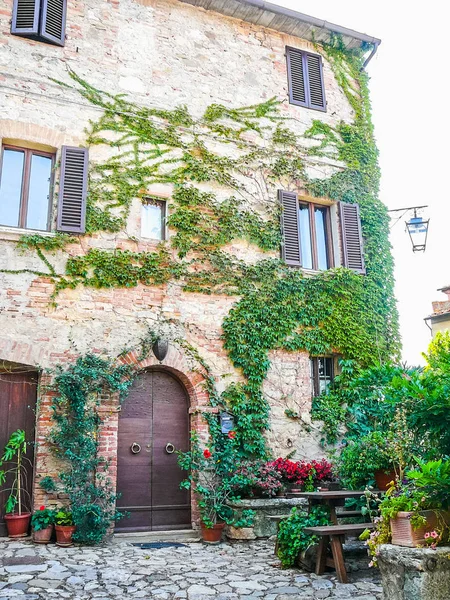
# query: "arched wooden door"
18 392
153 424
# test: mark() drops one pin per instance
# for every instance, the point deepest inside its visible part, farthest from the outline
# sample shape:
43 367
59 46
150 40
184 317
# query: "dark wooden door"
153 422
18 391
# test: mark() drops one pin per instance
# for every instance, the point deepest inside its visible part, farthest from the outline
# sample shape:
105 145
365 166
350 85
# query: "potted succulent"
64 527
17 516
414 512
42 523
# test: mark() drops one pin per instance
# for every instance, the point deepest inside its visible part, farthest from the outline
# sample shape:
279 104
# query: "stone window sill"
13 234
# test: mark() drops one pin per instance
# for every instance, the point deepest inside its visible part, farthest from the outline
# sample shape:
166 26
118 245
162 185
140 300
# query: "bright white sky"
409 90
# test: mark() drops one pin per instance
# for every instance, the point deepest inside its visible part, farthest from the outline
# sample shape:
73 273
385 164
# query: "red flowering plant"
43 518
305 475
211 471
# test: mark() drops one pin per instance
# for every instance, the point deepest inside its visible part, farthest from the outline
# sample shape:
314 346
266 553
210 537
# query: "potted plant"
42 523
64 527
414 512
17 518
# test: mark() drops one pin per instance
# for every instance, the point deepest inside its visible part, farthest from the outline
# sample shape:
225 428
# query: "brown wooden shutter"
73 190
296 77
290 228
352 242
316 88
53 21
25 17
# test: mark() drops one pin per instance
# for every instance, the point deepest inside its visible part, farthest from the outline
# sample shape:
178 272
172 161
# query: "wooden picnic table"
328 498
332 536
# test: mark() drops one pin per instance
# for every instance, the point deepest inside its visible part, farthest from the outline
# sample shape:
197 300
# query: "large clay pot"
212 535
384 478
43 536
64 535
403 533
17 525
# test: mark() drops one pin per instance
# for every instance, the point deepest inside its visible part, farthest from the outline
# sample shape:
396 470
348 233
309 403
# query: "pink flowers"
300 472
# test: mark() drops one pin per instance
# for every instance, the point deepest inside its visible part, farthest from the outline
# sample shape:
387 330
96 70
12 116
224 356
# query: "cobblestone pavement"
194 572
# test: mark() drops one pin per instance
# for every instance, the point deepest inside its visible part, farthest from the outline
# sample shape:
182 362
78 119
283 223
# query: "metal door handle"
135 448
170 448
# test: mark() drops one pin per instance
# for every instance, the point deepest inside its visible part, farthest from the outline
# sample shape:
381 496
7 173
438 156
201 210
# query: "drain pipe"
371 55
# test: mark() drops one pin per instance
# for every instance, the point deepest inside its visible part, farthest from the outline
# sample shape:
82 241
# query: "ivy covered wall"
218 281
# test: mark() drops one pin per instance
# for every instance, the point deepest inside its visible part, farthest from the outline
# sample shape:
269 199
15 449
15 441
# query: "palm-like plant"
14 452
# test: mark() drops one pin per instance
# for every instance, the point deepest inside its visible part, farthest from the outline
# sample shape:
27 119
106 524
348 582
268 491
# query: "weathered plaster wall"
162 53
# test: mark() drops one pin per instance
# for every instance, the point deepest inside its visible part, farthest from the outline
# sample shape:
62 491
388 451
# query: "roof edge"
294 14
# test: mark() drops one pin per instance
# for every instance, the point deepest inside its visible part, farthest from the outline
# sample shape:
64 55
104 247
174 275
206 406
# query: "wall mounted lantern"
418 232
160 349
417 227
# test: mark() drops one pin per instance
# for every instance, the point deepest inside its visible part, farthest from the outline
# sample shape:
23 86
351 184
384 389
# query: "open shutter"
316 88
73 190
352 243
290 228
25 17
53 21
296 77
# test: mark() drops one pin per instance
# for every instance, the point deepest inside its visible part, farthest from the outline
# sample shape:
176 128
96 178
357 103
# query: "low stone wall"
265 507
415 573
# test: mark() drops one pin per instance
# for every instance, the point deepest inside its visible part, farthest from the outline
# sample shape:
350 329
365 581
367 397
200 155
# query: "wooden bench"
334 535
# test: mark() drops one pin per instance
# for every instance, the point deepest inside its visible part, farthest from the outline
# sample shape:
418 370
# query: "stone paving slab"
245 570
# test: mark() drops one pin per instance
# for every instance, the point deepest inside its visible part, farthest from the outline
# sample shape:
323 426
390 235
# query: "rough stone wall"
162 53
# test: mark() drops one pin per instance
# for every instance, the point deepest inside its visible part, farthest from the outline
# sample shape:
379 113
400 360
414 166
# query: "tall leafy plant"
14 453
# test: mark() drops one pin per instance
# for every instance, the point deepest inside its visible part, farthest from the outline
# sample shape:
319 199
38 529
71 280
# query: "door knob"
135 448
170 448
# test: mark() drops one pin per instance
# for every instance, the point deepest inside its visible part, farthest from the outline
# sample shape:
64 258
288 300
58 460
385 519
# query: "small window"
322 374
25 188
153 219
305 79
42 20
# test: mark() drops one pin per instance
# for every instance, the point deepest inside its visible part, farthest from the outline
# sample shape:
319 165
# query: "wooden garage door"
18 391
154 421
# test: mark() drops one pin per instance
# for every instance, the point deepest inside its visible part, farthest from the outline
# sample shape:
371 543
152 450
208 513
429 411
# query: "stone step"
183 536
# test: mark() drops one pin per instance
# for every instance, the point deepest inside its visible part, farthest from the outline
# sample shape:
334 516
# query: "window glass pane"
305 237
39 192
322 259
325 367
152 220
11 187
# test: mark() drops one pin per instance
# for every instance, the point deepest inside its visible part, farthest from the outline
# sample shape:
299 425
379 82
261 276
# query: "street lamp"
418 232
416 227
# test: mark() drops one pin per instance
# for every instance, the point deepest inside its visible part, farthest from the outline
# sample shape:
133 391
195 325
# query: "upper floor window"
307 234
305 79
153 219
322 374
25 186
26 178
43 20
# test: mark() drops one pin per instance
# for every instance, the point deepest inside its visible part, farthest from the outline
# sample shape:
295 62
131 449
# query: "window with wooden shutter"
305 78
352 242
42 20
290 227
73 190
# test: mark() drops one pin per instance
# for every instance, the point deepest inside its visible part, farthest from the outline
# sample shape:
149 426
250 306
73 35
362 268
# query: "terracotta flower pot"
17 525
403 533
384 478
212 535
43 536
64 535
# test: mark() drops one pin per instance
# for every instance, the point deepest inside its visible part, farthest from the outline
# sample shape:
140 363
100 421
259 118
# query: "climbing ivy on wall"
242 156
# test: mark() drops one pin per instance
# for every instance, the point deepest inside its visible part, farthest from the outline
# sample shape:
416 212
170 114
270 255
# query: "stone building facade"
161 54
